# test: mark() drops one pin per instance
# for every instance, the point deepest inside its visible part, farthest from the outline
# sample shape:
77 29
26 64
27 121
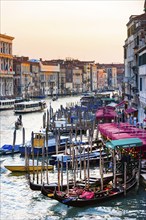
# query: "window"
140 86
142 59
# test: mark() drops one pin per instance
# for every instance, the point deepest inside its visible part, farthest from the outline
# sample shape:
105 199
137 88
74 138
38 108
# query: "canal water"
19 202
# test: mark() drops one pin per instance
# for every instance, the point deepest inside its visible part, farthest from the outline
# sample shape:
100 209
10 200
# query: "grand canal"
19 202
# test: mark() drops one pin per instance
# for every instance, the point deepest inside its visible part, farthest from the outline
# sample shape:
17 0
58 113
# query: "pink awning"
130 110
116 131
120 136
121 103
107 113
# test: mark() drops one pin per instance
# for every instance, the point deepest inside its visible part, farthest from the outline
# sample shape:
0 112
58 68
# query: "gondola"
92 182
49 191
88 198
50 187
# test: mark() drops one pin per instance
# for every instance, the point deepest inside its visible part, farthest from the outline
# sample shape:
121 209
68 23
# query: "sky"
84 30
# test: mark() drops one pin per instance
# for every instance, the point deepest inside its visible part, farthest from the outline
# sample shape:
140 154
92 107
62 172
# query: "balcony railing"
5 72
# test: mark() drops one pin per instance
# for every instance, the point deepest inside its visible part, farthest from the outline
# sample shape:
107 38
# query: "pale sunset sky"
85 30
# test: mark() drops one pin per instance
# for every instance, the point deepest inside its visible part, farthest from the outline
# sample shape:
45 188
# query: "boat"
48 191
6 104
39 144
83 197
143 179
123 131
143 166
8 149
21 99
130 173
46 188
51 187
30 168
93 157
30 106
39 96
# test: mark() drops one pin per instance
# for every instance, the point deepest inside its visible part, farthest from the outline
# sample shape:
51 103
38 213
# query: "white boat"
30 106
6 104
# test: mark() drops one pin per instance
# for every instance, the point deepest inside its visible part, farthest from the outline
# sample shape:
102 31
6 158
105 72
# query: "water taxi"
30 106
6 104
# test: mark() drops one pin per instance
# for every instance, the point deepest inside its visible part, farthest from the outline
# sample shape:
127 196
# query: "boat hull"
9 149
22 168
39 150
97 199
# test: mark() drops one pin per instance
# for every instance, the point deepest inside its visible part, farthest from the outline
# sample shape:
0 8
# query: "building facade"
23 77
6 66
50 76
135 63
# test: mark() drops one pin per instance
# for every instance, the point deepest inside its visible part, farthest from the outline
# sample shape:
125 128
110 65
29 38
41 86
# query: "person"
117 156
19 121
134 121
130 119
123 116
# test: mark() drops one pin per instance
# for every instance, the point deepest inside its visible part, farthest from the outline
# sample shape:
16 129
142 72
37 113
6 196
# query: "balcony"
142 97
142 70
135 48
135 90
135 69
7 75
11 72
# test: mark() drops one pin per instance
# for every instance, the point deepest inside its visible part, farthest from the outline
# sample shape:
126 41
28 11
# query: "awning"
130 110
124 143
106 113
121 103
112 104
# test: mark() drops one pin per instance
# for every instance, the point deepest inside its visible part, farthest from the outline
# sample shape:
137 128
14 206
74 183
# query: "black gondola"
96 198
92 182
49 187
